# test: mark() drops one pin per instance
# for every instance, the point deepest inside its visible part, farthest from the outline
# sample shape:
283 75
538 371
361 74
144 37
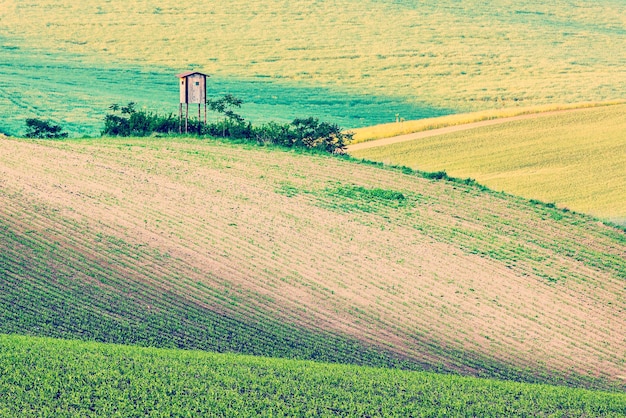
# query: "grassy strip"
48 377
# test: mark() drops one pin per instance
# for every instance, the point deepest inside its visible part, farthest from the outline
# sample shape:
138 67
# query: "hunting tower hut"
192 90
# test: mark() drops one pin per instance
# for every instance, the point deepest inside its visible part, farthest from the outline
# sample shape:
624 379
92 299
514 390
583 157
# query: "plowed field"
438 274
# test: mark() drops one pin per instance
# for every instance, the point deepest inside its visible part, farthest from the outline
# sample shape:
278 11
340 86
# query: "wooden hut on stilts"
192 90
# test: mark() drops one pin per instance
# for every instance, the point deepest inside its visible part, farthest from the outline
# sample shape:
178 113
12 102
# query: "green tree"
43 129
312 133
225 106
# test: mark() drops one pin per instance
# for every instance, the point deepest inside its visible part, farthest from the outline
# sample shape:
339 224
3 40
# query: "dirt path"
451 129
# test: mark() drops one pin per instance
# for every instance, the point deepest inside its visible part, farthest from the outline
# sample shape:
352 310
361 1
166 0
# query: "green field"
356 62
45 378
574 159
77 93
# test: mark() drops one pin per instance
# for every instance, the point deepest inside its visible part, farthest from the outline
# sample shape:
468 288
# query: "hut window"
197 83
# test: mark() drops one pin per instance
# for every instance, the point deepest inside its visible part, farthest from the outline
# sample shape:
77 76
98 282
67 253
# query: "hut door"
194 91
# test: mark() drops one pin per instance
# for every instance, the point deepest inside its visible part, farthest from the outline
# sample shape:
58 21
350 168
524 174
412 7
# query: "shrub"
275 133
437 175
42 129
133 122
312 133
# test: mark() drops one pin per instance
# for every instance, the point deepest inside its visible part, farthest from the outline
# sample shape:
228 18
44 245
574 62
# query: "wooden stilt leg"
186 117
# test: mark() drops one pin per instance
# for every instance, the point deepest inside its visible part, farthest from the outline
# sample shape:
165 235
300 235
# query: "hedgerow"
307 132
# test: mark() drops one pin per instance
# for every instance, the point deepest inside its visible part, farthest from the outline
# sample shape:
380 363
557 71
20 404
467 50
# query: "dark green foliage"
132 122
227 128
275 133
437 175
307 133
42 129
312 133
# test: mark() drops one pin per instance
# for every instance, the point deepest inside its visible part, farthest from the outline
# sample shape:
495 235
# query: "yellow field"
387 130
575 159
446 55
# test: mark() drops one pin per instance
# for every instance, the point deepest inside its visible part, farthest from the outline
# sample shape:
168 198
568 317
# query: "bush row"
301 132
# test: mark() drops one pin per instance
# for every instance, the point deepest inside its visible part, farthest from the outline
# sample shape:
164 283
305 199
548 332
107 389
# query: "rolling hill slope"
201 244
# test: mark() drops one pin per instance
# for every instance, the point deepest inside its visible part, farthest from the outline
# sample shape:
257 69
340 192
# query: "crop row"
61 290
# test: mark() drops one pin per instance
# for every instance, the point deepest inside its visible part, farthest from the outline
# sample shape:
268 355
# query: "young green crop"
48 377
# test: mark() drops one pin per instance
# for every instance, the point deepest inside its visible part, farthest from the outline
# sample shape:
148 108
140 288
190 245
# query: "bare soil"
449 270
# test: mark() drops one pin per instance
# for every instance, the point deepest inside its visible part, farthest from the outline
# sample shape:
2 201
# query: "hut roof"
188 73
